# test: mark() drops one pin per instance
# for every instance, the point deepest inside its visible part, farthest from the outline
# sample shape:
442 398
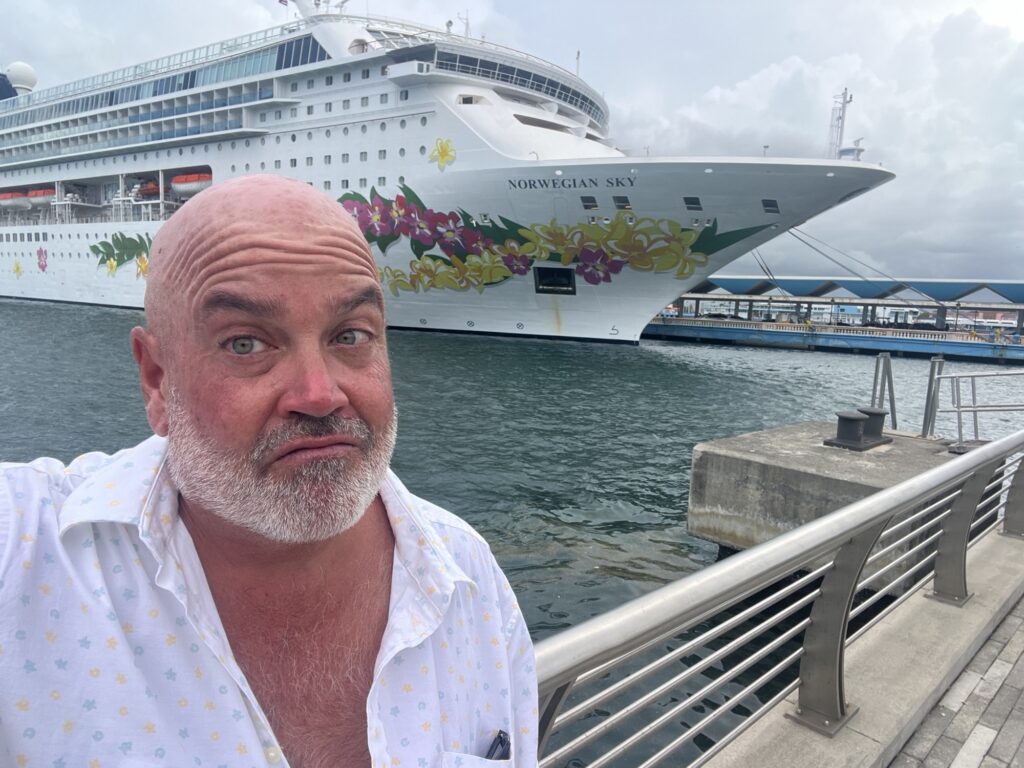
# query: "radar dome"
22 77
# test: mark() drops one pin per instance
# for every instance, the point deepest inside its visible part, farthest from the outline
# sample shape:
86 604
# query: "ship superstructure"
483 177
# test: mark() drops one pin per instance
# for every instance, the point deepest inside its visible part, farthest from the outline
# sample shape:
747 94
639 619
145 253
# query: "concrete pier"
747 489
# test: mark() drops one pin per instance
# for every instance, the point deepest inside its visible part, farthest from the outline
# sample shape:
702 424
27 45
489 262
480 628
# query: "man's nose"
312 386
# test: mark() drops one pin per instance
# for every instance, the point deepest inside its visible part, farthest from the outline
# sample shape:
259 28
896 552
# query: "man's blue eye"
352 336
244 345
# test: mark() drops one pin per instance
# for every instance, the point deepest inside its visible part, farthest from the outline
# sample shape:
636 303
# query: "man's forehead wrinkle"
267 212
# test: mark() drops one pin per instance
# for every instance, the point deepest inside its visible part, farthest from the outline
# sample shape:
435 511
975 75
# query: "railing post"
822 704
550 707
950 584
1013 514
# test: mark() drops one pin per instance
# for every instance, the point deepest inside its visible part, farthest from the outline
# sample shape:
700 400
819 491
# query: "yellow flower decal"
443 153
17 268
111 266
141 266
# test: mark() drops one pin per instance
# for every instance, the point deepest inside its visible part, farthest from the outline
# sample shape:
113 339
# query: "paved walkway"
980 721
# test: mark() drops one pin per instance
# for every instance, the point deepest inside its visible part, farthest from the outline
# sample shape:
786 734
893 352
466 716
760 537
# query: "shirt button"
273 755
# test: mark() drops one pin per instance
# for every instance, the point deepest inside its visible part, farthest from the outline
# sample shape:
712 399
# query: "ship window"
465 99
346 77
364 102
327 159
362 182
309 160
383 126
423 150
293 112
362 128
327 185
277 114
309 110
401 152
383 70
277 139
381 181
309 136
346 103
344 157
293 137
293 162
263 117
693 204
344 183
401 123
362 157
329 80
554 280
622 203
327 133
344 131
277 163
770 206
263 166
366 74
403 95
401 179
309 83
329 106
383 98
293 87
423 120
589 202
382 154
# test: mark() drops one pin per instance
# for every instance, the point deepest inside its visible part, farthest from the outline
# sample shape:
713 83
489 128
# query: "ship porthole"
423 321
520 326
470 323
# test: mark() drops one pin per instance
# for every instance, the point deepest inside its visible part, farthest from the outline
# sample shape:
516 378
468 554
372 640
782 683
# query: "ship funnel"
21 77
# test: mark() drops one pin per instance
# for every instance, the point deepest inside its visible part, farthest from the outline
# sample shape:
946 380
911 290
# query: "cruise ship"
484 178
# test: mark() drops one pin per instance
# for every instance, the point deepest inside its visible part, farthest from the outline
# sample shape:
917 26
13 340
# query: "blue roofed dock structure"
975 319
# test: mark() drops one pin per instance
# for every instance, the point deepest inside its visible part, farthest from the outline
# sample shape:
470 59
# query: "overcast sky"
938 90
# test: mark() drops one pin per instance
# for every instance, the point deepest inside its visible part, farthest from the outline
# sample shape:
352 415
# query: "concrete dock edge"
896 672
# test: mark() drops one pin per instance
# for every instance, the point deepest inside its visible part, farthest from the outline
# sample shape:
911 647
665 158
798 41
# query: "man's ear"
146 351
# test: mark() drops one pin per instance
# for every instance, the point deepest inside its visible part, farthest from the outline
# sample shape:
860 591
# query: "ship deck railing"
675 676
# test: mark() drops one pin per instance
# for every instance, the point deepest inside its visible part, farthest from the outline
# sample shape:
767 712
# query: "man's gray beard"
320 499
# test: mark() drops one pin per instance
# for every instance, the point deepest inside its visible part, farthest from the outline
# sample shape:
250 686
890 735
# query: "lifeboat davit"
191 183
148 189
16 200
41 197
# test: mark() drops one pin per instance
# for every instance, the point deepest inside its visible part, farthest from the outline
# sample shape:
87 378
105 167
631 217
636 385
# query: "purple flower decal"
419 226
375 219
517 263
398 216
41 257
449 232
595 267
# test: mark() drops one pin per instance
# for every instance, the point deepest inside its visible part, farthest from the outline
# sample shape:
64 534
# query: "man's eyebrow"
368 296
219 301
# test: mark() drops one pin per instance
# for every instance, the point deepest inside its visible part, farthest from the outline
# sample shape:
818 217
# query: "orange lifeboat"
191 183
14 200
149 189
41 197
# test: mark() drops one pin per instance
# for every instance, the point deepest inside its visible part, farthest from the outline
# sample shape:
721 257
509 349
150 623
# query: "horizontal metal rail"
672 676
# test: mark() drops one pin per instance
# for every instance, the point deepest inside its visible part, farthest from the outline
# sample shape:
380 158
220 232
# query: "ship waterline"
493 204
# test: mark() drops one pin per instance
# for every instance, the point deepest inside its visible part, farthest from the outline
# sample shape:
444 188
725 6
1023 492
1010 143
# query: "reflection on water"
571 459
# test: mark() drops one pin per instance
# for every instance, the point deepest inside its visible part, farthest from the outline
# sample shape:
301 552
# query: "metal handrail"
597 651
959 404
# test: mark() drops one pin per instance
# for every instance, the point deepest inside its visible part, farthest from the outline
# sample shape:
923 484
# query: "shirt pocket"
460 760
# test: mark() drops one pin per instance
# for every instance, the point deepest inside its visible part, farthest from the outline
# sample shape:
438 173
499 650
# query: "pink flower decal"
41 259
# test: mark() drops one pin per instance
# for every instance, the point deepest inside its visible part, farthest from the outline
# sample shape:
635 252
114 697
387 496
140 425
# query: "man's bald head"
270 216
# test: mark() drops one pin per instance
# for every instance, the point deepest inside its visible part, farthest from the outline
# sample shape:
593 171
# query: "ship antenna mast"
465 21
838 123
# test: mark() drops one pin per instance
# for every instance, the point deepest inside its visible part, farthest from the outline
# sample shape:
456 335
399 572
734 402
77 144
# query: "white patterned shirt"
112 652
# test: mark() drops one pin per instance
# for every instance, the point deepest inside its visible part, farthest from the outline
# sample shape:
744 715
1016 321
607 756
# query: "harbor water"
571 459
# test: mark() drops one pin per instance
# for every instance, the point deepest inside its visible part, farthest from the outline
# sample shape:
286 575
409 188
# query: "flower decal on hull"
123 249
443 153
41 259
453 251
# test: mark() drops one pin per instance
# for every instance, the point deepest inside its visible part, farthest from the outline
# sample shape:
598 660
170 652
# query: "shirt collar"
133 487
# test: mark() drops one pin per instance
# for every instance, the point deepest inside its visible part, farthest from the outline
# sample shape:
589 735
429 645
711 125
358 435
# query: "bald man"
252 585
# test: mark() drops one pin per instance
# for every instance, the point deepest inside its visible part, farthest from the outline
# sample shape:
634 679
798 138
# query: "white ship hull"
536 226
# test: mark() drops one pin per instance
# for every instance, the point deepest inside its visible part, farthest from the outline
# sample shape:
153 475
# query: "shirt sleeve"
523 678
